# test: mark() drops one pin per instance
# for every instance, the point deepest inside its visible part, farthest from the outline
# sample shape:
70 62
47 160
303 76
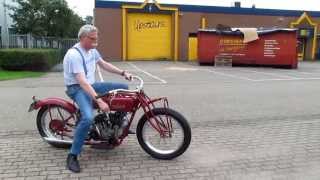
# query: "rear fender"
52 101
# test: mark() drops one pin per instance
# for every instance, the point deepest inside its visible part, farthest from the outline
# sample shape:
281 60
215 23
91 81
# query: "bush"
29 59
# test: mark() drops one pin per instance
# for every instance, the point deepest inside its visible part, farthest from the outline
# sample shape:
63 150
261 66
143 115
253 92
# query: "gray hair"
86 29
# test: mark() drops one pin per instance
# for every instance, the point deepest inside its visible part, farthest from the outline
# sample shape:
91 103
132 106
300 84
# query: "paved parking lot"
247 123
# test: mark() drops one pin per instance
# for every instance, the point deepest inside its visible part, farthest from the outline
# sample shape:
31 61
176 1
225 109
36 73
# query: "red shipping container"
275 47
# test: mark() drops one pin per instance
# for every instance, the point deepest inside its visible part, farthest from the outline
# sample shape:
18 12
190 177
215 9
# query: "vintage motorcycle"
161 131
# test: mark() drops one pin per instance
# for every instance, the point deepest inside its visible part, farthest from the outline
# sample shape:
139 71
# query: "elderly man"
79 76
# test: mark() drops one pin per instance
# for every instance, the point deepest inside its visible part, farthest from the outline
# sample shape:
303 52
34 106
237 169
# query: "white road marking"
149 74
272 74
228 75
281 77
181 69
295 79
308 73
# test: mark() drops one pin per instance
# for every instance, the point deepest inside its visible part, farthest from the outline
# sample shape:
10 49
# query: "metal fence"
28 41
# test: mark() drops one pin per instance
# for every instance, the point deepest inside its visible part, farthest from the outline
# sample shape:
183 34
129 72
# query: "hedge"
29 59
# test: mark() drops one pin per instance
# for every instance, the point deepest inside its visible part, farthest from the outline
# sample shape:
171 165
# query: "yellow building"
153 31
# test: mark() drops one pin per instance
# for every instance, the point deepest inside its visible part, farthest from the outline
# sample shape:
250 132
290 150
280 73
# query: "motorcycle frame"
144 102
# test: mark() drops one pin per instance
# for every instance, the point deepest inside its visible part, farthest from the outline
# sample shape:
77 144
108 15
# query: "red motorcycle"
161 131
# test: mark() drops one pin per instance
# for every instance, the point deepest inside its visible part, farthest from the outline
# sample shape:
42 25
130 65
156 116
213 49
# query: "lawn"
9 75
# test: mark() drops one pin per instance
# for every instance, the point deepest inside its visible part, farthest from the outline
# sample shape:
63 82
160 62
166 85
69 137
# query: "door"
149 36
193 49
301 48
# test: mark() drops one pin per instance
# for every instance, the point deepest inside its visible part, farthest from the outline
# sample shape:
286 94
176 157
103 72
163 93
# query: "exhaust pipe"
58 141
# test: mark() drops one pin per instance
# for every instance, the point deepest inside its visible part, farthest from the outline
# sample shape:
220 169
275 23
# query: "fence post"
29 41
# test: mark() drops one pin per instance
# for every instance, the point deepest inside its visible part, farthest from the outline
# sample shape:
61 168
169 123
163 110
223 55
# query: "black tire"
43 134
180 119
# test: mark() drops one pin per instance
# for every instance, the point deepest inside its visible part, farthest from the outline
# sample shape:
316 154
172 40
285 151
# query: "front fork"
162 125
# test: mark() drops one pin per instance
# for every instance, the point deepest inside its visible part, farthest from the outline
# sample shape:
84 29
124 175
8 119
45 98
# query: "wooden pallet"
223 61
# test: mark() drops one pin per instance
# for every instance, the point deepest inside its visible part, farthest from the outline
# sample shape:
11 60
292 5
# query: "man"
79 76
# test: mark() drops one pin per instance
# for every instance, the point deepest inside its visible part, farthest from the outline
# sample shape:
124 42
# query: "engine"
109 127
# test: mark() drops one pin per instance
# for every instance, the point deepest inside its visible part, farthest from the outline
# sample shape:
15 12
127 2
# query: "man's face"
90 41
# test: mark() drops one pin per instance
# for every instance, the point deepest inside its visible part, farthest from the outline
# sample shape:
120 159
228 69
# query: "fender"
52 101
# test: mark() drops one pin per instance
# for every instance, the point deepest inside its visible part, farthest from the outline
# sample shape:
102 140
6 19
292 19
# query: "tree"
45 18
89 19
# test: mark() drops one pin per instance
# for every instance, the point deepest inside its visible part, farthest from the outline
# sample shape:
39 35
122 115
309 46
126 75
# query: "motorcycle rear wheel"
52 123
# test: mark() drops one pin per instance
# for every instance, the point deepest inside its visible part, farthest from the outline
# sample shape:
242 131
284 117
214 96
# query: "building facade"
153 31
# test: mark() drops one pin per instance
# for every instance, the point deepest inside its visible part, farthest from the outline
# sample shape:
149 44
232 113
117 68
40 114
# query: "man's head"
88 36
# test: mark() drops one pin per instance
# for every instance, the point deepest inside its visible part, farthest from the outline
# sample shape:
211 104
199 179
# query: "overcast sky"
86 6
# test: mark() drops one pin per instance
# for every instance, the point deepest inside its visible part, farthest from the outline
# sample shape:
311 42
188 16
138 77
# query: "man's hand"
103 105
127 76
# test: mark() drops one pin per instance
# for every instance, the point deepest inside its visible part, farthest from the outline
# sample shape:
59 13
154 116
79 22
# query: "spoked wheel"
57 124
167 135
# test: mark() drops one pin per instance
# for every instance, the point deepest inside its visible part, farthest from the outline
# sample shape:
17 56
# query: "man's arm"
109 67
89 89
85 85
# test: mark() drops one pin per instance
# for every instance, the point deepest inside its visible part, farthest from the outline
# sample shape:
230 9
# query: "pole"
5 26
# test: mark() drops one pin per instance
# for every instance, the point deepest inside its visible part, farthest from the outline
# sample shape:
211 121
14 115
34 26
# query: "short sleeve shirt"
73 64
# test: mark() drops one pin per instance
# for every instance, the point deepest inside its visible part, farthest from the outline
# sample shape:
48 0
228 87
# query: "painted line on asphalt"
282 77
228 75
271 74
296 79
309 73
285 78
149 74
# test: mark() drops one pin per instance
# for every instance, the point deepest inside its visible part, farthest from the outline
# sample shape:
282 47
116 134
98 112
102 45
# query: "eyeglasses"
92 38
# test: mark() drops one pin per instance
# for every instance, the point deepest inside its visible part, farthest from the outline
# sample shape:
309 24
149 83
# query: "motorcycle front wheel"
166 135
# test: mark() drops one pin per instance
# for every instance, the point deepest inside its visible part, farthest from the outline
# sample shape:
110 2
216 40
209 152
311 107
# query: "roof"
216 9
259 31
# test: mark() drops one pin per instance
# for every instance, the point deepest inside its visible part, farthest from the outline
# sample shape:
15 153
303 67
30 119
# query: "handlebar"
138 89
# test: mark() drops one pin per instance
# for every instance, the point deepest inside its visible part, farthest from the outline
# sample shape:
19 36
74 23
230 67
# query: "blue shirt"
73 64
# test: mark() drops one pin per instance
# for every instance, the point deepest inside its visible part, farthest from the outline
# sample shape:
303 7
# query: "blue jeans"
85 104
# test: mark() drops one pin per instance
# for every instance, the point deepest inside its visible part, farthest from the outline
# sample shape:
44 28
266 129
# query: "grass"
10 75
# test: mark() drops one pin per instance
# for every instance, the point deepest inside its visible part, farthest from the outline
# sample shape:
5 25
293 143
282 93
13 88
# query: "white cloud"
84 8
